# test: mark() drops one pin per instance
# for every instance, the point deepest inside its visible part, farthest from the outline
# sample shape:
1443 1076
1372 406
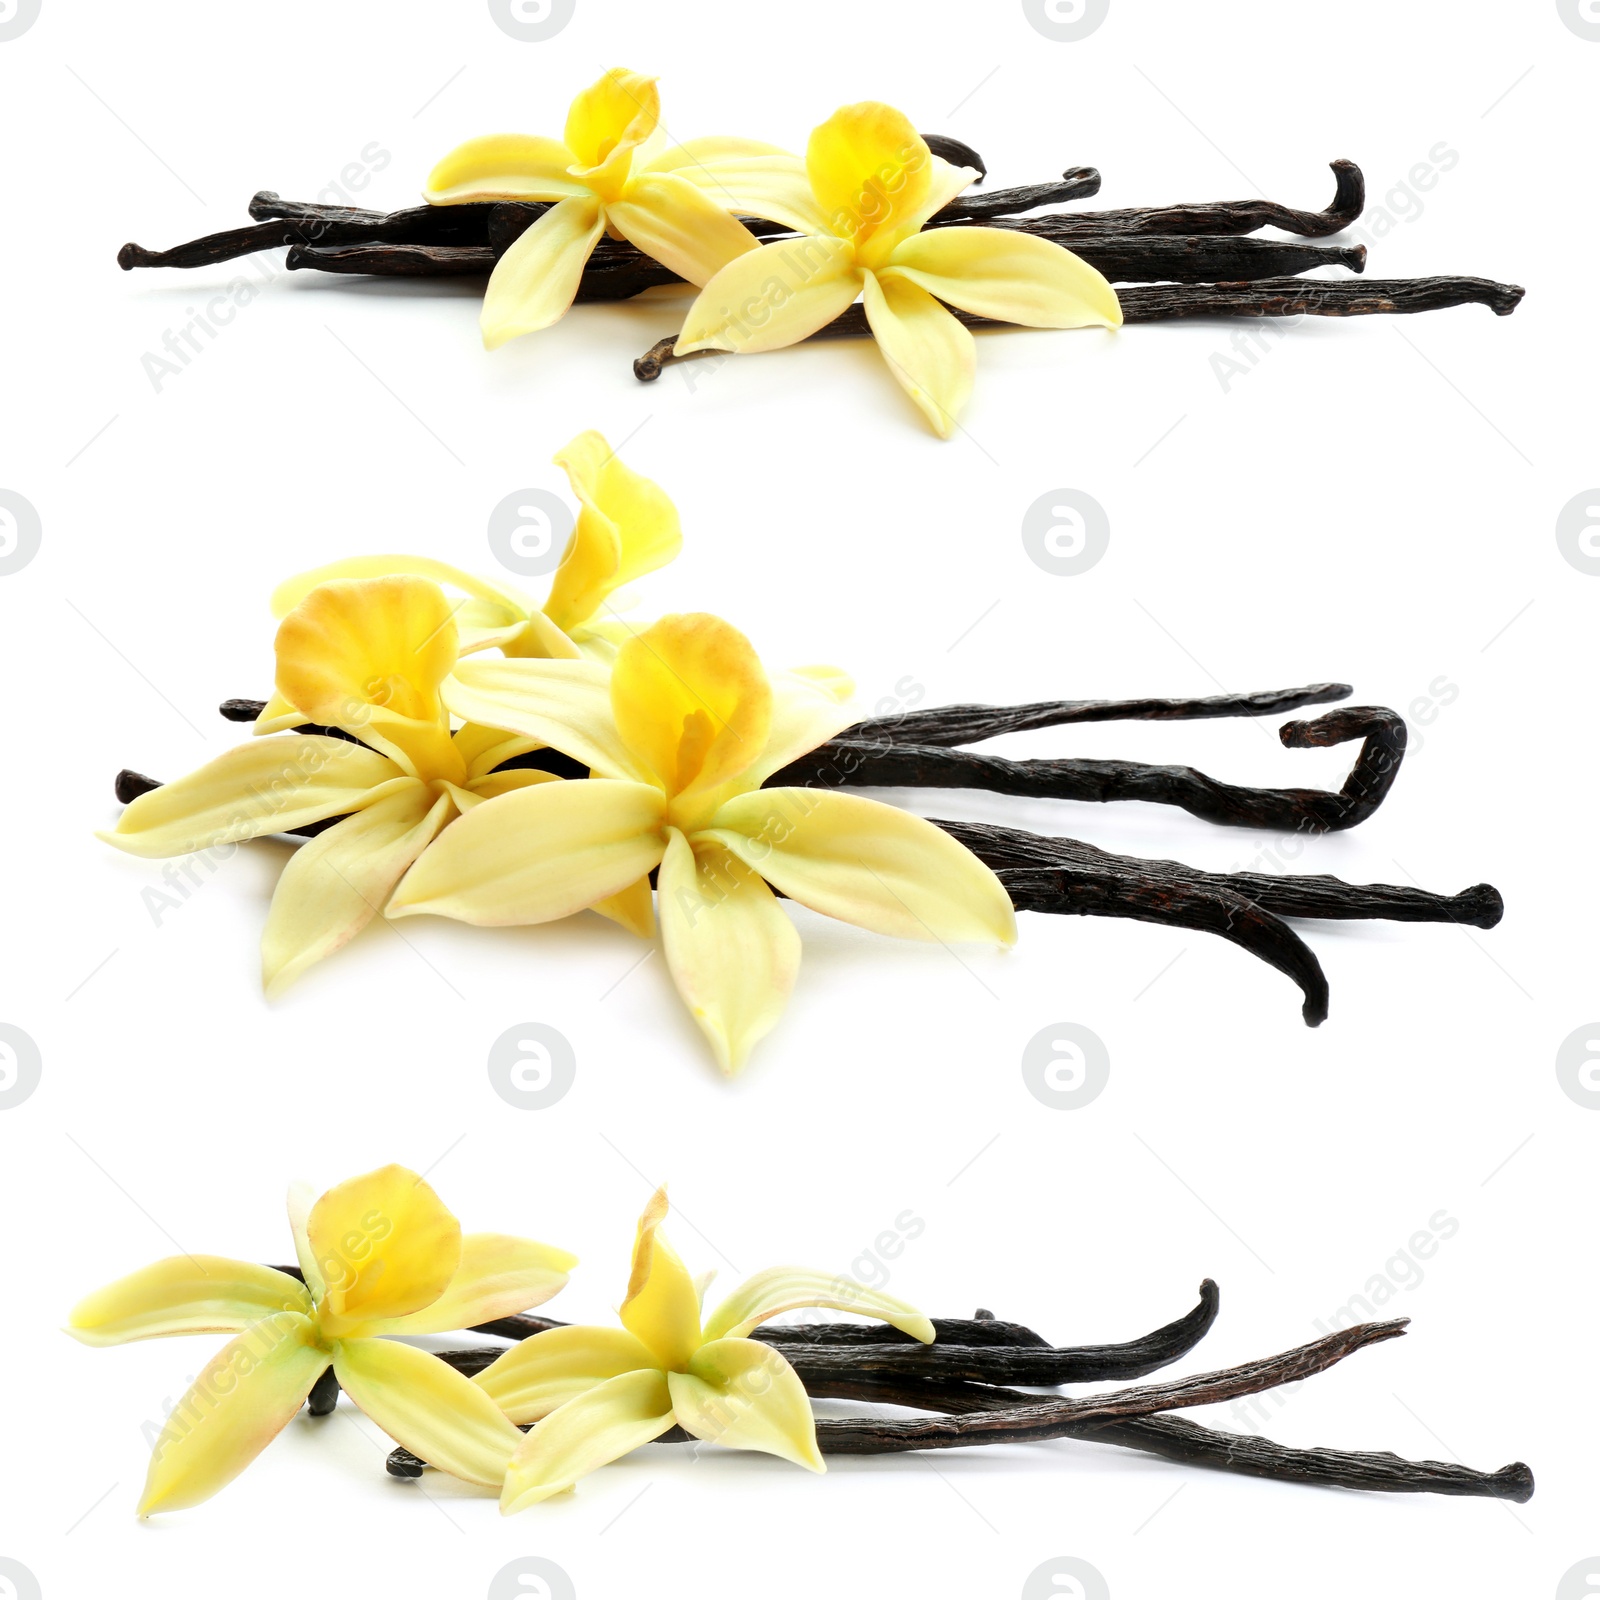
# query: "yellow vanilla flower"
872 185
365 657
679 739
626 527
381 1255
594 1394
613 171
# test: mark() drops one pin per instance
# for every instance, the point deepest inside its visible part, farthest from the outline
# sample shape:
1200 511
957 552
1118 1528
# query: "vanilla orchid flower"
364 658
679 739
871 184
626 527
380 1256
594 1394
613 171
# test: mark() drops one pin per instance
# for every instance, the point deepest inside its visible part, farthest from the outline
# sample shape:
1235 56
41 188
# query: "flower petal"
867 863
662 1308
302 1197
503 166
499 1275
732 951
780 1289
494 784
537 279
511 602
238 1405
932 356
545 1371
537 854
334 884
772 297
747 177
870 171
185 1294
587 1432
267 786
1013 277
612 117
746 1396
692 702
633 908
680 225
385 1245
424 1404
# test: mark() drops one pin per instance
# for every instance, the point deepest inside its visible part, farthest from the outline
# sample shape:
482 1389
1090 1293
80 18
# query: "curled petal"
931 355
680 225
508 601
537 279
746 1396
609 120
503 166
633 908
662 1308
302 1198
870 864
781 1289
185 1294
532 1378
499 1276
772 297
870 170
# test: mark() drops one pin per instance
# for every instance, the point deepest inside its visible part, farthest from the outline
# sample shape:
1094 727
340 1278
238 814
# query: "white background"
1374 501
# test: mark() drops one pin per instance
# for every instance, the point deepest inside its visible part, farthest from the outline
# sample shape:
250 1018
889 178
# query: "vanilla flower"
380 1256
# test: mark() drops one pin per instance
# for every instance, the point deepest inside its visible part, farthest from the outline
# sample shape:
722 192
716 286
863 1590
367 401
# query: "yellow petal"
946 183
503 166
747 177
267 786
833 681
337 882
772 297
691 701
537 854
626 527
932 356
238 1405
499 1276
680 225
545 1371
1013 277
537 639
276 715
866 863
732 951
385 1246
662 1308
633 908
537 279
746 1396
483 748
608 121
429 1407
587 1432
870 171
509 602
494 784
564 704
780 1289
185 1294
302 1198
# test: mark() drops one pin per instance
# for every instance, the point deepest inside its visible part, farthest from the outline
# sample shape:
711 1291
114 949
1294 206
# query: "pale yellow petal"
932 356
589 1431
507 601
238 1405
870 170
945 184
731 949
539 639
499 1276
483 748
267 786
781 1289
494 784
424 1404
385 1245
749 178
1010 276
772 297
537 279
537 854
545 1371
302 1198
276 715
503 166
612 117
661 1308
745 1396
692 702
680 225
870 864
633 908
334 884
185 1294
